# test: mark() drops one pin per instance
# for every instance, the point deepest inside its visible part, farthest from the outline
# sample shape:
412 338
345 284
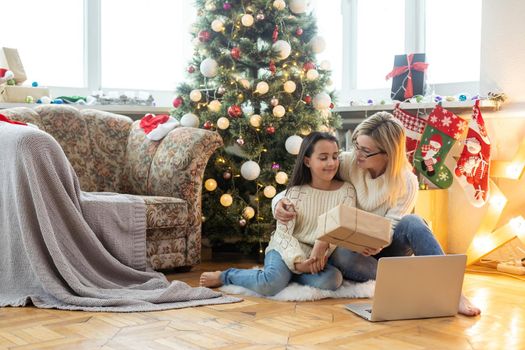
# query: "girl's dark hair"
301 173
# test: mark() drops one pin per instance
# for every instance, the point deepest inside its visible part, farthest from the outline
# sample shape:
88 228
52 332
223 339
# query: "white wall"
502 70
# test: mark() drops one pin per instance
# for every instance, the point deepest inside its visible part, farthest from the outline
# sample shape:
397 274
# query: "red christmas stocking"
472 169
414 127
443 129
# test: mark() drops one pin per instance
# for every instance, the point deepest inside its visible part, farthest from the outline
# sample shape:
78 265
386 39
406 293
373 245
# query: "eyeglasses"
366 154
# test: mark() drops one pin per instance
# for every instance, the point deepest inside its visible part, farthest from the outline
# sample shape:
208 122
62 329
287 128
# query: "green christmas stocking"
443 129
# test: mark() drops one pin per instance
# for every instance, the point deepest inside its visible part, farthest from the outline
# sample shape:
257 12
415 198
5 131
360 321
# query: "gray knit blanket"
65 249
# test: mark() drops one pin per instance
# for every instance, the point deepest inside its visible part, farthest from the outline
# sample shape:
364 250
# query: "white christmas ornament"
189 120
318 44
255 120
209 67
321 101
312 74
325 65
281 177
278 111
269 191
262 87
223 123
250 170
298 6
279 5
293 144
214 106
217 25
282 48
289 86
247 20
195 95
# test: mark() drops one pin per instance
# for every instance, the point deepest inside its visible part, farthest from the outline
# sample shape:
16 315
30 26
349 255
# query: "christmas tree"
254 79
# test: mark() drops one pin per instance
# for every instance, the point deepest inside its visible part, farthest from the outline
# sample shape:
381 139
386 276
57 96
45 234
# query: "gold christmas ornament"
281 177
289 86
279 5
210 185
247 20
248 213
269 191
223 123
226 200
312 74
278 111
262 87
195 95
214 106
255 120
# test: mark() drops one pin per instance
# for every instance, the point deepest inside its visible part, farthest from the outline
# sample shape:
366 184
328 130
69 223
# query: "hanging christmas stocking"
472 169
442 130
414 127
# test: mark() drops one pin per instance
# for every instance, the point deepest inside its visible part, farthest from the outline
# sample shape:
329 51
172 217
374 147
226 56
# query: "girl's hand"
305 266
319 253
370 251
284 211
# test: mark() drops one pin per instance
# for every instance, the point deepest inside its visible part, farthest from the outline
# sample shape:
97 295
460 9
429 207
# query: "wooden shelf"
352 115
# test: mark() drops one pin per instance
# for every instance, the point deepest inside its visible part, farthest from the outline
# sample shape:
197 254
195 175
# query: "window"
50 44
453 40
380 36
330 27
149 47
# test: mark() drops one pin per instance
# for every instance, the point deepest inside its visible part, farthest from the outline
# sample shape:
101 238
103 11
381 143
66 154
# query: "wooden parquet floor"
262 324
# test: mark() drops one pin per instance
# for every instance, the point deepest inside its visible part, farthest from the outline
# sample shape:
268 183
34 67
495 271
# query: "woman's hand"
284 211
370 251
319 254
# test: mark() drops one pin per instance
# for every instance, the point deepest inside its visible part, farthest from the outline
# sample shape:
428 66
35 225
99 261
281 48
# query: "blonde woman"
378 168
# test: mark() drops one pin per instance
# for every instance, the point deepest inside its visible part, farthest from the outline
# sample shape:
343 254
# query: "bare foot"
467 308
210 279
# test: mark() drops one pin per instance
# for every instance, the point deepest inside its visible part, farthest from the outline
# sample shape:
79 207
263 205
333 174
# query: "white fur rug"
298 292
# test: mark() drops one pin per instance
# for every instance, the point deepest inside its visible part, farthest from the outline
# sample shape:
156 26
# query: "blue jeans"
276 275
411 236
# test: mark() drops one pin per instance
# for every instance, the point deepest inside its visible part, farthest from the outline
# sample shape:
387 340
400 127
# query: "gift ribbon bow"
419 66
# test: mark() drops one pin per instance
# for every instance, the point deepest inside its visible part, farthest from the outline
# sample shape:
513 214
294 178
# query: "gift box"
408 76
9 93
354 229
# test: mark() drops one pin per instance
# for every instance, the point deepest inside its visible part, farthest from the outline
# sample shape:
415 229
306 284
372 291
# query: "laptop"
411 287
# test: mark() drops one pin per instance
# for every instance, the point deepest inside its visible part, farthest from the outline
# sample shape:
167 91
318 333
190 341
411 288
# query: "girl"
378 168
293 252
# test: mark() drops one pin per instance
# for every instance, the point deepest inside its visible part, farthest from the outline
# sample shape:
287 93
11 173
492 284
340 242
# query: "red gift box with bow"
408 76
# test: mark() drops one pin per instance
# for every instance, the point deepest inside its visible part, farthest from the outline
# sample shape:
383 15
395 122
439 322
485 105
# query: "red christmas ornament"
235 111
270 130
227 175
308 99
332 105
275 33
207 124
235 53
177 101
191 69
204 36
308 65
272 67
299 31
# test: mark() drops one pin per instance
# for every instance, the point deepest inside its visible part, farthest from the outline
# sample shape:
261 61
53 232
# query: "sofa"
110 153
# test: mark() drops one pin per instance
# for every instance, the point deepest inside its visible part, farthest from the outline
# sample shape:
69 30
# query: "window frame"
414 42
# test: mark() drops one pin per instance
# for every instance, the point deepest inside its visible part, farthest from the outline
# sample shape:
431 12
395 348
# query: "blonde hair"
389 135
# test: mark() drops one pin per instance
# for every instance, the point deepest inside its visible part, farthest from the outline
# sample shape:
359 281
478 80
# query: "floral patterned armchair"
110 153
